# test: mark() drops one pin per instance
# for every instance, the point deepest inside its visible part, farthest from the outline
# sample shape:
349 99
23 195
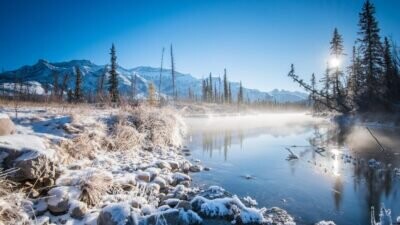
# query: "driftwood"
292 155
376 139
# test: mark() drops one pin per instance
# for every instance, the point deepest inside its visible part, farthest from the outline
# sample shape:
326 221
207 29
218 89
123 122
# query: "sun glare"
334 62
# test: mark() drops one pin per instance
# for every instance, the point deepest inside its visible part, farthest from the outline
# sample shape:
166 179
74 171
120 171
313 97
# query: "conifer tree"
229 94
240 93
78 93
337 74
370 48
390 76
113 79
226 93
70 96
210 89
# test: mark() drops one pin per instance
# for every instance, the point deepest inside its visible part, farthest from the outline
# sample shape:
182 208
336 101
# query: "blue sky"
255 40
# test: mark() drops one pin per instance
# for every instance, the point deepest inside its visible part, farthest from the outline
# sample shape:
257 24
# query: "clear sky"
255 40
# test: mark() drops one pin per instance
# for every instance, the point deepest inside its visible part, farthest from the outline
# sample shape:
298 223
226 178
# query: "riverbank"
86 165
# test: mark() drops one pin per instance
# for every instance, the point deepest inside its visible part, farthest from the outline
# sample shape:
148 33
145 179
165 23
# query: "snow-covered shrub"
162 127
124 136
93 184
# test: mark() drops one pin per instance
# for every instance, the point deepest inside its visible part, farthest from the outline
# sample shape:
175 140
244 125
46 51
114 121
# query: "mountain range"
41 75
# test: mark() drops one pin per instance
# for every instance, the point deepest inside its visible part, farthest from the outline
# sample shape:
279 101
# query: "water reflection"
335 154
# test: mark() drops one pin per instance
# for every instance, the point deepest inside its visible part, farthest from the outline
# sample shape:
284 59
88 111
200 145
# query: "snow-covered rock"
116 214
6 125
323 222
77 209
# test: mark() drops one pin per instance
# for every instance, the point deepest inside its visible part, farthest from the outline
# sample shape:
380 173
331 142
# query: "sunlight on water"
327 175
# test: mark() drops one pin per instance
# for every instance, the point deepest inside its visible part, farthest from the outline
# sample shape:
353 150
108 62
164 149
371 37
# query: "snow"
190 217
119 212
23 142
221 207
62 193
323 222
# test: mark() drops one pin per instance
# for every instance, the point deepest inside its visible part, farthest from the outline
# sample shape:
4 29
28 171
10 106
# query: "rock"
6 125
163 165
40 207
171 202
195 168
323 222
174 165
143 176
58 202
153 172
160 181
32 165
185 167
179 177
116 214
77 209
184 205
173 217
278 216
207 169
185 183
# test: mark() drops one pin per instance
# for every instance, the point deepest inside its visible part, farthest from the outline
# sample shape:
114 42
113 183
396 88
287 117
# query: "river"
334 177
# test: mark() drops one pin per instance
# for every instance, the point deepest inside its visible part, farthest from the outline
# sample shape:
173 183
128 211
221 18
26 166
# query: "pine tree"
113 80
55 91
354 80
337 74
78 93
389 72
370 48
226 93
210 89
70 96
229 94
174 93
240 93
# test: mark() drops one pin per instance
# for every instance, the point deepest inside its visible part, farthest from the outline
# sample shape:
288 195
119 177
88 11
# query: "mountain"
41 75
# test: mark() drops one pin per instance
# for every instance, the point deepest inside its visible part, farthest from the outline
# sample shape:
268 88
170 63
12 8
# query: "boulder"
173 165
32 165
173 217
143 176
77 209
161 182
116 214
195 168
58 200
184 205
6 125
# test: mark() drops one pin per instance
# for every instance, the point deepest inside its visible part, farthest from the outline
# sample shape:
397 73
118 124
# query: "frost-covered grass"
12 209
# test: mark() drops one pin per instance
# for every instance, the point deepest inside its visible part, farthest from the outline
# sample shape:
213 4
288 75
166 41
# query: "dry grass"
162 127
94 185
11 203
124 136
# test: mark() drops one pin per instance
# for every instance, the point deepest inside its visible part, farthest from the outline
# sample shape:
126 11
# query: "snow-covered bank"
83 165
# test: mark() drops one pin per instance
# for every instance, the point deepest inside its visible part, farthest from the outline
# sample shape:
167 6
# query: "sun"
335 62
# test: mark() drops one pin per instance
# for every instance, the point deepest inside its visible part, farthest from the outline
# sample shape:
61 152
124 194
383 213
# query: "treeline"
216 90
372 80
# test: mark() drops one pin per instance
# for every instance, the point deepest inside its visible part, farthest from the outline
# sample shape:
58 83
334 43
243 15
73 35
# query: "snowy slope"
42 73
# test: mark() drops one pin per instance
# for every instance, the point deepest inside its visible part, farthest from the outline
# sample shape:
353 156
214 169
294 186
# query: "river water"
334 177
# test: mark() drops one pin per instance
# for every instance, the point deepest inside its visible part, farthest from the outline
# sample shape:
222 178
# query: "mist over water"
331 180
